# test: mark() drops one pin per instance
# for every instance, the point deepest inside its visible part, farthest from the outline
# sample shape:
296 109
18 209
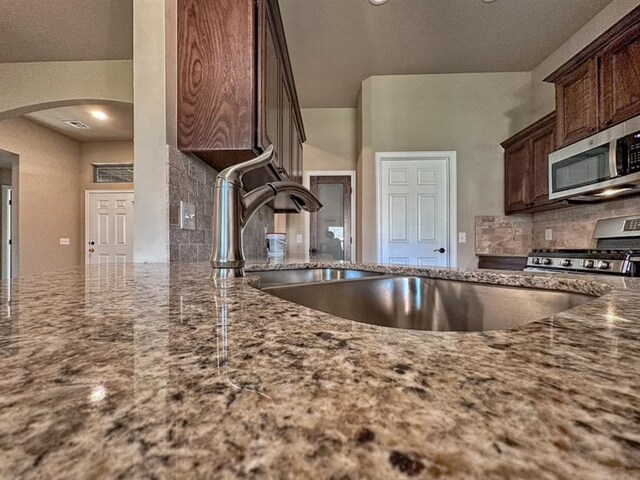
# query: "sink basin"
308 275
430 304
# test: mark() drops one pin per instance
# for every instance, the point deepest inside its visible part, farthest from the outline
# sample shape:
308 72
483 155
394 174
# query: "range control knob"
603 265
566 262
546 261
588 264
535 261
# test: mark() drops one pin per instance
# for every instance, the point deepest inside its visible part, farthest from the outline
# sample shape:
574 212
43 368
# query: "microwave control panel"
633 152
632 225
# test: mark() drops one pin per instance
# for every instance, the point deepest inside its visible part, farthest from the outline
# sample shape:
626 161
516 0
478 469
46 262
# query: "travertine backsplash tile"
503 236
191 180
573 227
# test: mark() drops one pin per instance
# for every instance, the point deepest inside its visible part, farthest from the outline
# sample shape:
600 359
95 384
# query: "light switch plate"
187 216
299 238
65 241
462 237
548 234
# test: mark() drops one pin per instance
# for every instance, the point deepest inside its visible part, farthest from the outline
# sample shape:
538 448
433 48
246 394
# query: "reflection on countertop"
158 371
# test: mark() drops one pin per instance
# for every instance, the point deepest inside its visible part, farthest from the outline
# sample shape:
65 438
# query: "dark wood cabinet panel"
526 166
287 134
517 162
298 163
215 87
502 263
599 86
620 79
234 80
577 104
542 144
270 91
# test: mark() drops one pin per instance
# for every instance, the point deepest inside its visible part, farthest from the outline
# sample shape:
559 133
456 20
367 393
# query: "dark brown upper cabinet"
526 168
577 104
236 92
620 79
600 86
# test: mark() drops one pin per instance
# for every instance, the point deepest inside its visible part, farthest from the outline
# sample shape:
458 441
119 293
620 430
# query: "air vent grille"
77 124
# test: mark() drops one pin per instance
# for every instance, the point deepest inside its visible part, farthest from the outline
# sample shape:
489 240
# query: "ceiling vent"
77 124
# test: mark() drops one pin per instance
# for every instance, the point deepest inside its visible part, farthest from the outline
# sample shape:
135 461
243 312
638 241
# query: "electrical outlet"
187 216
462 237
548 234
65 241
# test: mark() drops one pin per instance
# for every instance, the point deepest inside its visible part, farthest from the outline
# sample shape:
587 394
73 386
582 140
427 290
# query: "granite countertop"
156 371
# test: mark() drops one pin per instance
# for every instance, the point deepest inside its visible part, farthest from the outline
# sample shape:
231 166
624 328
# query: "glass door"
331 226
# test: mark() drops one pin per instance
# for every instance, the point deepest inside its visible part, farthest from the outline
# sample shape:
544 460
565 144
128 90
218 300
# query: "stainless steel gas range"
617 252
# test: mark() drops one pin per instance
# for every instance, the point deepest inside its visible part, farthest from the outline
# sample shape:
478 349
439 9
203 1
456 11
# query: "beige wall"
153 54
331 138
57 83
468 113
48 200
103 152
331 145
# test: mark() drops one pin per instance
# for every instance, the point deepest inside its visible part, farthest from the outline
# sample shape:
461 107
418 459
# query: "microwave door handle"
613 167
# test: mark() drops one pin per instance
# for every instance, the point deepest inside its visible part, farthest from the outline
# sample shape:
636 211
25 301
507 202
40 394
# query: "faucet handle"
234 173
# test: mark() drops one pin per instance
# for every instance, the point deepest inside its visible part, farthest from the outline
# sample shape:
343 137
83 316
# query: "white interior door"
109 227
414 212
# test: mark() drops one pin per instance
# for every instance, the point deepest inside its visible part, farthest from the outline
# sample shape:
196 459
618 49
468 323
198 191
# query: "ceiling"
65 30
336 44
118 125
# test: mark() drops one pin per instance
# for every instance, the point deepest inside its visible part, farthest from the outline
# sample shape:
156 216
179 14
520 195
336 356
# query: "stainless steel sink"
308 275
430 304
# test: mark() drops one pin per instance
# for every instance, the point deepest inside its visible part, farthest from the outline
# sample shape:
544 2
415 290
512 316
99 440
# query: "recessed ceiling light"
100 115
488 1
377 2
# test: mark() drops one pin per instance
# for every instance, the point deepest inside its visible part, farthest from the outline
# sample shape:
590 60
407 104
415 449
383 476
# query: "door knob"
91 250
313 251
440 250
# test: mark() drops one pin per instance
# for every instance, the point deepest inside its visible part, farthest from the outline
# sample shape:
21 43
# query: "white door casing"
109 226
416 208
7 216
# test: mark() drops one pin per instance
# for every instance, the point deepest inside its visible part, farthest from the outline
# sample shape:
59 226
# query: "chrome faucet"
232 209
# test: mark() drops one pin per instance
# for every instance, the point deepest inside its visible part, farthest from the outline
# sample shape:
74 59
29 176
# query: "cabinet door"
517 160
270 102
620 79
300 167
286 123
542 145
577 104
293 173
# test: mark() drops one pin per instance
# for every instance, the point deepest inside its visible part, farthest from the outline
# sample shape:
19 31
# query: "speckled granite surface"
154 371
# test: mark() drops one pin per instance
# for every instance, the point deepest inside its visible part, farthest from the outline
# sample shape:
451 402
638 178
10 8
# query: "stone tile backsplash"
191 180
573 227
503 236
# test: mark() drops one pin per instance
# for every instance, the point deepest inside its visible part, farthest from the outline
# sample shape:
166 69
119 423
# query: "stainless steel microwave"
606 164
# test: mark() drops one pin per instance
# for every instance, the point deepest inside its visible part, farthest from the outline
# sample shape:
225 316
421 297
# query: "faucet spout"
300 195
232 210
